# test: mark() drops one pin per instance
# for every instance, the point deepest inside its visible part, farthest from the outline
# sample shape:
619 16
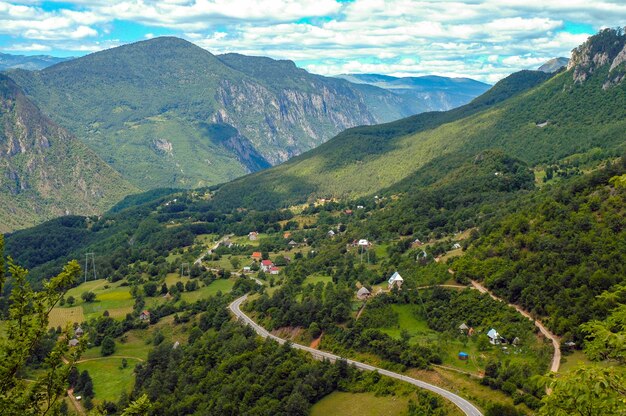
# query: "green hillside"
539 124
166 113
44 171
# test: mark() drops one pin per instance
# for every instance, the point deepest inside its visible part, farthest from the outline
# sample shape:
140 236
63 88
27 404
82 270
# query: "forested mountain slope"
44 171
562 249
580 111
165 112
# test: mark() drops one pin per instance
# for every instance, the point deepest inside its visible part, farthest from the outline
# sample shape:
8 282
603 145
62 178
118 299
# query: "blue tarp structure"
463 356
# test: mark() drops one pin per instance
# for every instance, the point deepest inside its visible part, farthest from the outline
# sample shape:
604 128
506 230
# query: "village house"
226 243
73 342
331 233
416 243
78 332
257 255
494 337
144 316
463 327
266 265
456 246
363 243
253 236
274 270
348 212
247 269
292 244
363 293
287 235
395 280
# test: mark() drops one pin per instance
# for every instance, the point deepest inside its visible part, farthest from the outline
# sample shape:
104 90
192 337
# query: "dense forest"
228 370
559 252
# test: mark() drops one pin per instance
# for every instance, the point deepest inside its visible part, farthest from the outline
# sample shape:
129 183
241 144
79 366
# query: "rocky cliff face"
144 109
285 123
604 51
44 171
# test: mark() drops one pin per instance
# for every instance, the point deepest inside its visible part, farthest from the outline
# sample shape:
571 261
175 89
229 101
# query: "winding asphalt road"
465 406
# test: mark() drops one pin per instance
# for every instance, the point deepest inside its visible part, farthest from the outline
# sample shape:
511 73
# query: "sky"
484 40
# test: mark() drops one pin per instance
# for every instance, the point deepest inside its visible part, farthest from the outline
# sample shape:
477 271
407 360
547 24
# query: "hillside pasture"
61 316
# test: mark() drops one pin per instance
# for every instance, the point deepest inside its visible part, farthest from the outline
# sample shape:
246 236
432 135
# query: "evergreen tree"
108 346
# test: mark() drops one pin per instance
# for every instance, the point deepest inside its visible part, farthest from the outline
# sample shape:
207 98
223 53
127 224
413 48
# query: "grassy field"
450 346
117 300
360 404
61 316
316 278
109 379
223 285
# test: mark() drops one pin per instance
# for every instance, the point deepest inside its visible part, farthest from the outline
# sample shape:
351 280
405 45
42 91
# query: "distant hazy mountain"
35 62
165 112
553 65
44 171
428 93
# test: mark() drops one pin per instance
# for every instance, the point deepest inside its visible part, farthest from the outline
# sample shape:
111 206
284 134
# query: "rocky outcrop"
607 48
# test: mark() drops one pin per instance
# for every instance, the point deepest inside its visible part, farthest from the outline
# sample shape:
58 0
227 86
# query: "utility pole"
92 257
183 267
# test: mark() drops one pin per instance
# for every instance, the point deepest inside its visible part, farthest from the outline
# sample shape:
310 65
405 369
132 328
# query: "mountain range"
30 62
429 93
529 120
165 112
538 117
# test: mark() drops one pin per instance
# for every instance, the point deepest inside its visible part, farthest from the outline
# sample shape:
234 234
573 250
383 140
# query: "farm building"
331 233
292 243
363 293
395 280
73 342
253 236
266 265
78 332
456 246
494 337
144 316
463 327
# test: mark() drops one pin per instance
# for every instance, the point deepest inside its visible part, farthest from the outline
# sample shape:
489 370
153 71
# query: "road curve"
465 406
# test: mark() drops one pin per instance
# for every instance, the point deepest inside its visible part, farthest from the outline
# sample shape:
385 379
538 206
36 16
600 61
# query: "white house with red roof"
266 265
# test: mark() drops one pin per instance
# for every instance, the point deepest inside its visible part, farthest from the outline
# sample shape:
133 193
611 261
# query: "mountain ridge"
45 171
144 109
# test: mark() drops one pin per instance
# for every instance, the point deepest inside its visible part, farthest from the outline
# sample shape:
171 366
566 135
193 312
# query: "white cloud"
483 39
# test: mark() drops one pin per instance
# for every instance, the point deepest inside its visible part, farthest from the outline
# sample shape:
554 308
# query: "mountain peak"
607 48
553 65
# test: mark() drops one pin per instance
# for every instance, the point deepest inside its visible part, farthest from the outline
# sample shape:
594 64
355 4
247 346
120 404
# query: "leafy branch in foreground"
26 325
